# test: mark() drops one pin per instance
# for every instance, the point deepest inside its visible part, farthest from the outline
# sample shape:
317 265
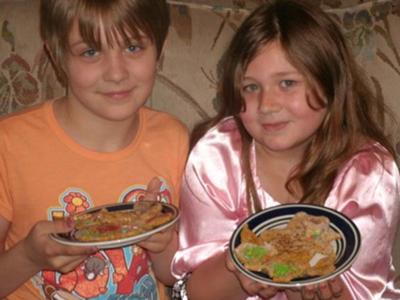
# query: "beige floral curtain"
187 80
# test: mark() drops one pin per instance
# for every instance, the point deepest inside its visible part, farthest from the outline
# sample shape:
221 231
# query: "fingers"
153 189
308 292
70 264
158 242
323 291
47 227
154 185
75 251
330 290
251 287
267 293
62 226
229 263
39 245
254 288
336 287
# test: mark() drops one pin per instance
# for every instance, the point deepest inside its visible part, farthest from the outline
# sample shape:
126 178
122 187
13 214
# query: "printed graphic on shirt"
120 273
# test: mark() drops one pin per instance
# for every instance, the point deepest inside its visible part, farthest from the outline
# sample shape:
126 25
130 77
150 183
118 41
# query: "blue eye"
90 53
287 83
133 48
250 88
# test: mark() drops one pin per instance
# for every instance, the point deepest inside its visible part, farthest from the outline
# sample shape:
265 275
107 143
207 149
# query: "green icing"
255 252
315 234
282 270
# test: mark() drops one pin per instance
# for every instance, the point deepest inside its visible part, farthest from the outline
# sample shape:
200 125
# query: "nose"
269 102
116 68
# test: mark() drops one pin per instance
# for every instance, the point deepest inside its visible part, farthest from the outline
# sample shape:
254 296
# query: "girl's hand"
159 241
331 289
251 287
46 253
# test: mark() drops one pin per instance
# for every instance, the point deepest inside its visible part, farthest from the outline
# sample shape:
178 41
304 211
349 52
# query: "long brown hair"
125 17
315 45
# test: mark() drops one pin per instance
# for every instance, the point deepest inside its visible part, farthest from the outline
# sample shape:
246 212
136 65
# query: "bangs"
118 22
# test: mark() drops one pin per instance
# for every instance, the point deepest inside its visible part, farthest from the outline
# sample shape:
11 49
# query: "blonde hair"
125 17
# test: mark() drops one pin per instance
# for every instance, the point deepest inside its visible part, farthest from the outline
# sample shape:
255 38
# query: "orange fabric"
44 173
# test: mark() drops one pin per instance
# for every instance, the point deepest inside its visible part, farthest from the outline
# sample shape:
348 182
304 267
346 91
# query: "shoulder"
162 122
164 132
366 177
213 170
23 120
372 159
220 147
224 135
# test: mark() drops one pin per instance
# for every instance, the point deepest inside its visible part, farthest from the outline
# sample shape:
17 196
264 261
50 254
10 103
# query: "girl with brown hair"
298 124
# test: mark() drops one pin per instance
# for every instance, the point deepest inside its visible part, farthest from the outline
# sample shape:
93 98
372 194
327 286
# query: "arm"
367 191
212 205
161 255
212 280
161 261
161 246
14 259
36 252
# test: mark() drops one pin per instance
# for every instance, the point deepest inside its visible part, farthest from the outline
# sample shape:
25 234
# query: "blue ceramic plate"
68 239
346 247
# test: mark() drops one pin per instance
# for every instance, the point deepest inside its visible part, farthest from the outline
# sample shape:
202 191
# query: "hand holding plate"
330 289
159 241
251 287
45 253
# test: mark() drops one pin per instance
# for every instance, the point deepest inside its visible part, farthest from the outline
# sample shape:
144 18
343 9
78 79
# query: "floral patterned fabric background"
187 79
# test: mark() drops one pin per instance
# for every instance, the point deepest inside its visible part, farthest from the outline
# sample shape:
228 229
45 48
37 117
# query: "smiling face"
112 82
278 103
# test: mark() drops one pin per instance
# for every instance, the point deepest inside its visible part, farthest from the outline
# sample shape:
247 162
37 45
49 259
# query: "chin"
118 117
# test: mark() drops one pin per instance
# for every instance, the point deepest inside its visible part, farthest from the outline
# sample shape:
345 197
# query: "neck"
285 161
92 132
274 170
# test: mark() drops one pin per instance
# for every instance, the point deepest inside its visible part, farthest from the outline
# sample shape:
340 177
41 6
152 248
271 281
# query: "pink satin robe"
213 203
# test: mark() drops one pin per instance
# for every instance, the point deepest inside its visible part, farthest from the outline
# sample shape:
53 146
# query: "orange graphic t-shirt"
45 174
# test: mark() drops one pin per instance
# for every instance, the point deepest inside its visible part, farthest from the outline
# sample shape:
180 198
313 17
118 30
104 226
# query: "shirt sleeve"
211 201
181 154
367 191
6 210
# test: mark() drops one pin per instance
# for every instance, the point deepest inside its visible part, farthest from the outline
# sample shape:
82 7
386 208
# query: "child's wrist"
26 255
179 290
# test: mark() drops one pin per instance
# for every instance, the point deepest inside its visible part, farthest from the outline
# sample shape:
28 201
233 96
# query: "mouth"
272 127
117 94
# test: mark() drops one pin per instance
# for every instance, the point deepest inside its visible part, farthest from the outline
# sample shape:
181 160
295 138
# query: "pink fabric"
213 204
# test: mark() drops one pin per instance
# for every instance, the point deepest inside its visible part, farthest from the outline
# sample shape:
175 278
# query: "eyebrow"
77 43
279 74
142 38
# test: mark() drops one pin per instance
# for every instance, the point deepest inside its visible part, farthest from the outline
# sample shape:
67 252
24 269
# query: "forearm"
161 262
15 269
212 280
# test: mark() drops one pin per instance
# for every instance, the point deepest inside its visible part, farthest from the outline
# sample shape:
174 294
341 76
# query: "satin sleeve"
212 203
367 191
